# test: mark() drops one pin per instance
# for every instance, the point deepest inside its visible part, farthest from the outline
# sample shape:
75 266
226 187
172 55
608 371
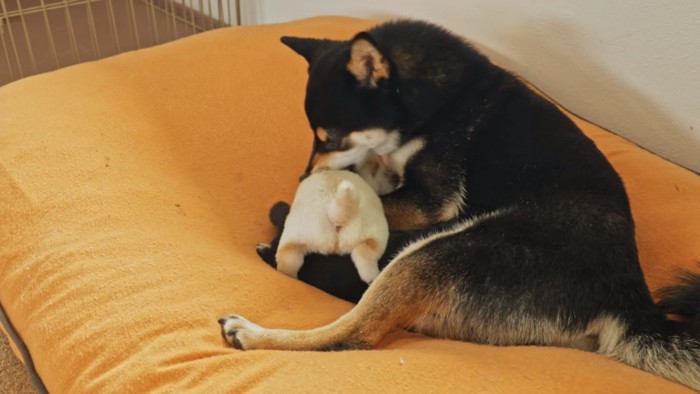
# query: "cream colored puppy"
334 212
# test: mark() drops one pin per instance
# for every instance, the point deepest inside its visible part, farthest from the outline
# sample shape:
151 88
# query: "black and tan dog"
543 252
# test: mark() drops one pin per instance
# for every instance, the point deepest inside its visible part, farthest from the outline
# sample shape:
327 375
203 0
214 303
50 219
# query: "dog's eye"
334 134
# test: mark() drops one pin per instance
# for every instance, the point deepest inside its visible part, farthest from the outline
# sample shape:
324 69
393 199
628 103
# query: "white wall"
632 66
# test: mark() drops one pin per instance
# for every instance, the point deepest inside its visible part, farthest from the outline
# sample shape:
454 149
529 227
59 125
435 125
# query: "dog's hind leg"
408 289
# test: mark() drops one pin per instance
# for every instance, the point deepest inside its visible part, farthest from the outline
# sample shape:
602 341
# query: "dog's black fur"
546 254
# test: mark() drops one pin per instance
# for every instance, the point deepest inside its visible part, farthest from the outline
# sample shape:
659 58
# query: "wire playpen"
42 35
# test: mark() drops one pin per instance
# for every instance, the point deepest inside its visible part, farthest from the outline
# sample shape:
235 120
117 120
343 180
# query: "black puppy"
544 251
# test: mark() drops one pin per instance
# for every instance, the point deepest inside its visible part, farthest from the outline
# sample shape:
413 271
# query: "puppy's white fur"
365 143
334 212
385 172
378 156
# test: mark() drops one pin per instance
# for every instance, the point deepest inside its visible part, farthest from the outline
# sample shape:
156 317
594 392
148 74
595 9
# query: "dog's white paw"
239 332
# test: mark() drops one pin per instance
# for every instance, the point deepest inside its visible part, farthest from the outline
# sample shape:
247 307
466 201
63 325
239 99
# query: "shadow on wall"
585 87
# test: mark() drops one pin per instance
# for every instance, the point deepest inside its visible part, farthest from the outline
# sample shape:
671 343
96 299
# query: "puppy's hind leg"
407 290
290 258
366 257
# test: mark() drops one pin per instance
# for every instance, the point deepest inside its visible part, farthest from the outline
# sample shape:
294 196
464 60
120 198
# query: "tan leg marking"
404 216
452 208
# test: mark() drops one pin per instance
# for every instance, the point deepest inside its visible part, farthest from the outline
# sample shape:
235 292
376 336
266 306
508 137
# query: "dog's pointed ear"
309 48
367 63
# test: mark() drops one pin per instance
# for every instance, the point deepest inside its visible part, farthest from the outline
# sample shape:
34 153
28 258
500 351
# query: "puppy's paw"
262 248
368 273
239 332
266 254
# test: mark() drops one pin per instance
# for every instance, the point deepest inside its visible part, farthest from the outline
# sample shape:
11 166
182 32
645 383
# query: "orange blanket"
133 191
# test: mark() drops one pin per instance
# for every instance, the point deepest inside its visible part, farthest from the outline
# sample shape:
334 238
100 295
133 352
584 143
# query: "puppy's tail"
674 351
344 205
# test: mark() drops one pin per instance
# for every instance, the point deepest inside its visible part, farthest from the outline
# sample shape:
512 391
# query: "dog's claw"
238 332
234 340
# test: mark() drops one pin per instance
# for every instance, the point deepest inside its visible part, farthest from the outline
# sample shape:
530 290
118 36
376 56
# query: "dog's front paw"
239 332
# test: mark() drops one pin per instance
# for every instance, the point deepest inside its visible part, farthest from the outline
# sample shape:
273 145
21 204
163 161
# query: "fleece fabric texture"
134 189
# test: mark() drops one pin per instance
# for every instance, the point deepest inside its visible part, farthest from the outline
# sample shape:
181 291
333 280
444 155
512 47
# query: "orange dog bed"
133 191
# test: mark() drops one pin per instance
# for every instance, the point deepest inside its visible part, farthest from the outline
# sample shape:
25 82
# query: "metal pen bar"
32 58
4 49
172 15
93 31
153 19
71 32
134 26
113 23
45 7
192 17
49 34
182 7
167 20
12 41
30 50
239 19
210 15
201 10
177 18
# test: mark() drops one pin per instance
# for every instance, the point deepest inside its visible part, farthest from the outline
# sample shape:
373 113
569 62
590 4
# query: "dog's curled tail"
673 353
344 205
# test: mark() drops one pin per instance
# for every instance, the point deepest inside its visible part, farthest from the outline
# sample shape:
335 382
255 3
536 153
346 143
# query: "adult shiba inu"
541 250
